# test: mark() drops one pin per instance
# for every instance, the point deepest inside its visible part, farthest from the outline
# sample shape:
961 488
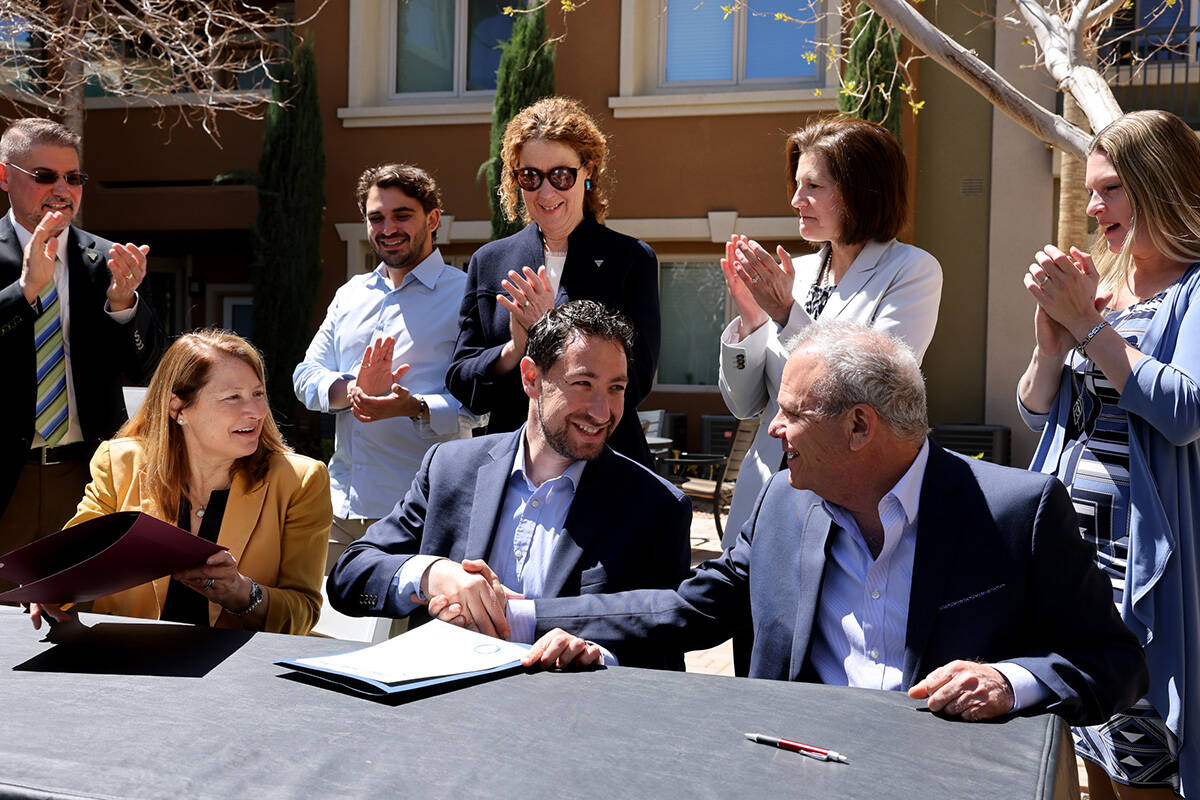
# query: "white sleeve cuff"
1027 690
522 620
122 316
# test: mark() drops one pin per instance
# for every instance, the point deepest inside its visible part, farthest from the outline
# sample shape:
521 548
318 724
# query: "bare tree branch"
189 59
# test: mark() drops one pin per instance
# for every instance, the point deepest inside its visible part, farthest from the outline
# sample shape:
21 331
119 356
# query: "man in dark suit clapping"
71 327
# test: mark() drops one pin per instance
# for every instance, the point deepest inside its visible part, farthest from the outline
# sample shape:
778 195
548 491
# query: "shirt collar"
23 236
427 272
572 473
907 490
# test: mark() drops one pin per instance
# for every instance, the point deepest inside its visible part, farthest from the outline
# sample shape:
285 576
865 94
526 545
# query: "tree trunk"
1072 196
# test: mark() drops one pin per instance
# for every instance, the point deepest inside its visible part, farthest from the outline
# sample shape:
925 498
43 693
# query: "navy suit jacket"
103 352
627 529
602 265
1000 573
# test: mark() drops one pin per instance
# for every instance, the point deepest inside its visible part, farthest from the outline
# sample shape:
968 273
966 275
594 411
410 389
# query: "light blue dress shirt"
374 463
528 529
862 619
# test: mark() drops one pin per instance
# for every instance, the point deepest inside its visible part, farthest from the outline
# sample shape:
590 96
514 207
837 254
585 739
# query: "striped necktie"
51 417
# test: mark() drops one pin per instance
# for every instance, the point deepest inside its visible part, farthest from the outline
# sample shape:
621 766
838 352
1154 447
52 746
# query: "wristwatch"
256 597
423 410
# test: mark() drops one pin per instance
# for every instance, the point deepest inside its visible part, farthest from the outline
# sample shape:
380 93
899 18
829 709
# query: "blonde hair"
182 372
555 119
1157 157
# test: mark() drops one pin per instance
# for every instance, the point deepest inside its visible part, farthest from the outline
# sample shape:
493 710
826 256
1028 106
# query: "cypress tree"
286 269
525 75
871 68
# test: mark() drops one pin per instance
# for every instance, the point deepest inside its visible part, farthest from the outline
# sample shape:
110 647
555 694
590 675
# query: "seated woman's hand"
52 611
218 580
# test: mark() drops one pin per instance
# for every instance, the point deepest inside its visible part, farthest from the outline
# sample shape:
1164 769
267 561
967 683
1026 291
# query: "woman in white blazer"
849 184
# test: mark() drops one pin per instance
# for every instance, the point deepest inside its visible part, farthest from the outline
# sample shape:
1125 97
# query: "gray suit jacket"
1000 573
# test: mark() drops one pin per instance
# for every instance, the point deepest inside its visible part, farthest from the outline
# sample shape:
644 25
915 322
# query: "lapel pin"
92 257
599 263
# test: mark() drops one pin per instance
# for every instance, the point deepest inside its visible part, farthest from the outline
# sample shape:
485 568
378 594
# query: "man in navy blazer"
551 507
110 333
986 602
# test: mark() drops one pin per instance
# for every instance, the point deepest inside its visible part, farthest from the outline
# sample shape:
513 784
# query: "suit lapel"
852 283
584 267
10 249
813 543
242 512
939 524
582 522
490 484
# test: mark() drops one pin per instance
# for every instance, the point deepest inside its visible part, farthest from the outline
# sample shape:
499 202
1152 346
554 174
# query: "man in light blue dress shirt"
551 507
379 359
878 560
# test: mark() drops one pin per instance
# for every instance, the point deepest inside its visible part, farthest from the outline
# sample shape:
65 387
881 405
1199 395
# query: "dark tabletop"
129 709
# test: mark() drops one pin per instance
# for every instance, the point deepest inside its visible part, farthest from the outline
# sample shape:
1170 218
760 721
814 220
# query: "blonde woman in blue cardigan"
1114 386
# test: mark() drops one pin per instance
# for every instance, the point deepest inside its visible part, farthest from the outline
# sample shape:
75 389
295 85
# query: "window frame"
641 93
694 257
739 81
460 61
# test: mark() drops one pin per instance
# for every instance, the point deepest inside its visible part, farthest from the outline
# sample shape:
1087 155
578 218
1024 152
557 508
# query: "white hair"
863 365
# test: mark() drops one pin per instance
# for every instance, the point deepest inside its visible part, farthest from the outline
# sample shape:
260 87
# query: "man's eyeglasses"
530 179
49 177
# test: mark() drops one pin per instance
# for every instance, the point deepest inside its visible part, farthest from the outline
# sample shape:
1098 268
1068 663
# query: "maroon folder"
99 557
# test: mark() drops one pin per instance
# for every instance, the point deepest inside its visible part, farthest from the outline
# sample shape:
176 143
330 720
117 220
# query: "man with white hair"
879 560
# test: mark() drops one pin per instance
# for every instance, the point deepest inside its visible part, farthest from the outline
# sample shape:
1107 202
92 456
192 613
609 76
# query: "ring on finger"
208 584
1043 279
754 279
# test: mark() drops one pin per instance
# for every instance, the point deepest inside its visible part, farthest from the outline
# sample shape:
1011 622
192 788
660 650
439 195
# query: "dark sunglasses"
49 177
530 179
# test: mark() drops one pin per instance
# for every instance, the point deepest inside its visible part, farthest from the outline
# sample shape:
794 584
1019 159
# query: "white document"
434 650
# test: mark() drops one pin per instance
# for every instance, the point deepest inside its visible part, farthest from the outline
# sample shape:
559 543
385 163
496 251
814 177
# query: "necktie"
50 417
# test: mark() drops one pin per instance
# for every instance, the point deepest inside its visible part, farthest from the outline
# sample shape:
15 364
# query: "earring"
587 184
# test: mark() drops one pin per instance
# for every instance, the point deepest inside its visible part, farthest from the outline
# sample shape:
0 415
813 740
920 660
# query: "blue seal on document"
487 648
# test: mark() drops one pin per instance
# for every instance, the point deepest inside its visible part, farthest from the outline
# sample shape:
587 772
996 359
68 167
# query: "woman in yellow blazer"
204 452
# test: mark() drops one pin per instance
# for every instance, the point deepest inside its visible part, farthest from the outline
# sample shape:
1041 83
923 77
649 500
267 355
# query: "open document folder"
437 652
100 557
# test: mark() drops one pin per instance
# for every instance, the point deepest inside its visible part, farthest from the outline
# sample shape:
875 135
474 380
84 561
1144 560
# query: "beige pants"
342 534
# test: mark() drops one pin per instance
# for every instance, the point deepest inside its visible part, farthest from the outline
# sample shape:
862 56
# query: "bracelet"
1082 346
423 410
256 597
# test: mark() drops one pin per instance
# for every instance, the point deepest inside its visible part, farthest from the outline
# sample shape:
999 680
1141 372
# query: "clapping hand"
376 393
768 282
127 265
529 297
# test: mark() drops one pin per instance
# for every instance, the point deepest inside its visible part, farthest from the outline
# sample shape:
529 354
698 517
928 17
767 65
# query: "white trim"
455 112
716 228
729 102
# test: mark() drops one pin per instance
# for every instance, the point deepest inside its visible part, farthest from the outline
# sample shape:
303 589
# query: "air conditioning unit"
716 433
989 442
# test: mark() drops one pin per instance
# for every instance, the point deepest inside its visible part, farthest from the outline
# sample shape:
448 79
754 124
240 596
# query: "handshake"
471 596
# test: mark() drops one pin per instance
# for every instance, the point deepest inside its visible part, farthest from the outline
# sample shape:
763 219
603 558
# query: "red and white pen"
819 753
